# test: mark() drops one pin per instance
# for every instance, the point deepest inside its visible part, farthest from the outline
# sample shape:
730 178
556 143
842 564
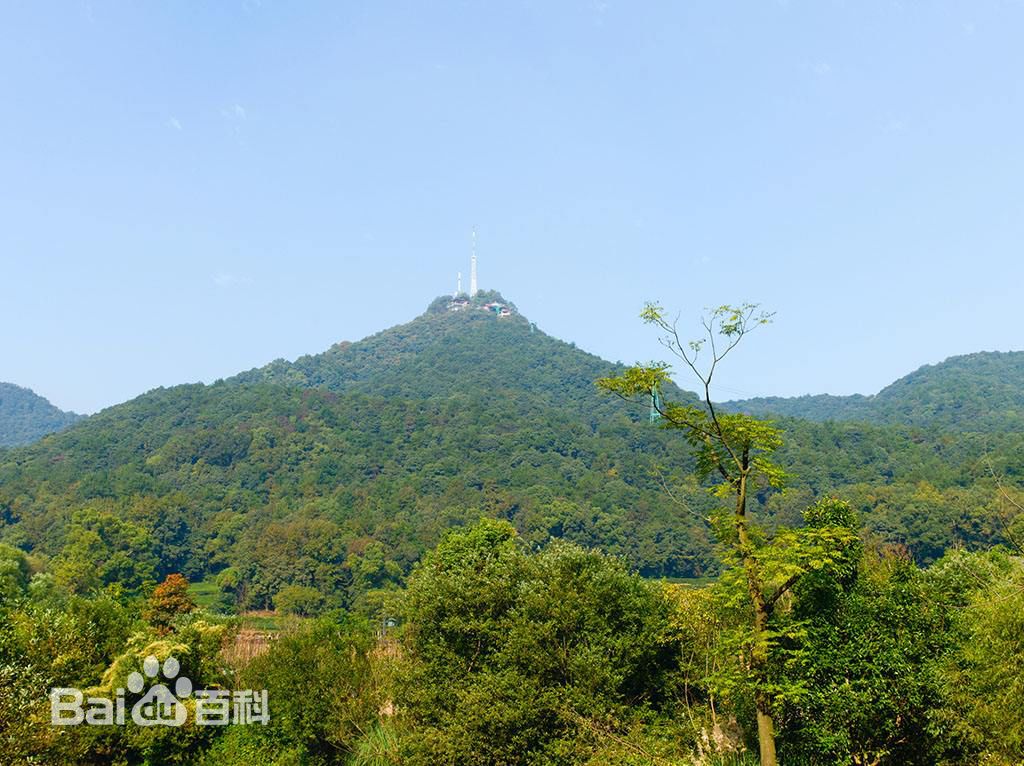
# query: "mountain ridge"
982 391
25 416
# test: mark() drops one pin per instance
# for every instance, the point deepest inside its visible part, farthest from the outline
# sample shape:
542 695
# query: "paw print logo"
159 707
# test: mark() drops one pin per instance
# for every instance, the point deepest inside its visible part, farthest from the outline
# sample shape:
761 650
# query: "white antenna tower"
472 267
458 285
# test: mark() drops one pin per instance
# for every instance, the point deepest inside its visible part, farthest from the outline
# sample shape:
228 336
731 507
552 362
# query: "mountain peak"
490 301
460 346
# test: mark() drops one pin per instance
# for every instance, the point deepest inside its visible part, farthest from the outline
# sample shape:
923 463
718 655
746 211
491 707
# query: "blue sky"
191 189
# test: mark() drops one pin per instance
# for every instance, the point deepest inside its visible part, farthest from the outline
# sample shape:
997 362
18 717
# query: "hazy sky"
192 189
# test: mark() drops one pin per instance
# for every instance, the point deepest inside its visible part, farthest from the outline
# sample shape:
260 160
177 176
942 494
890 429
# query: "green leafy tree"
734 452
863 657
103 550
14 573
524 658
325 693
59 640
982 678
299 600
230 588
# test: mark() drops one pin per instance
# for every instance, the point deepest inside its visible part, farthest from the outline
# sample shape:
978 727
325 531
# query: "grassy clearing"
205 593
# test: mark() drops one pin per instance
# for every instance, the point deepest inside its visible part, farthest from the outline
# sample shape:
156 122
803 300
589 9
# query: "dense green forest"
507 654
25 416
381 445
537 545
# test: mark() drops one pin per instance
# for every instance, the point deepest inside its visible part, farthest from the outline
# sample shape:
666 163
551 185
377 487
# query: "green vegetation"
338 471
206 594
25 416
735 451
445 544
504 655
169 600
975 392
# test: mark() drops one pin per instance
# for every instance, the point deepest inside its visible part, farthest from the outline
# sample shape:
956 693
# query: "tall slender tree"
731 449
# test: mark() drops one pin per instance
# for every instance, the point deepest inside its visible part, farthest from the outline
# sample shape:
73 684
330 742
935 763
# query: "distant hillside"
25 416
976 392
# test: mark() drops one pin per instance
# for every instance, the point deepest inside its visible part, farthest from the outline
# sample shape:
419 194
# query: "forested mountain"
365 453
462 474
25 416
976 392
338 470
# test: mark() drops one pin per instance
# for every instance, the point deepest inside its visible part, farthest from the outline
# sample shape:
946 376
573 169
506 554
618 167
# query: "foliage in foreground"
507 655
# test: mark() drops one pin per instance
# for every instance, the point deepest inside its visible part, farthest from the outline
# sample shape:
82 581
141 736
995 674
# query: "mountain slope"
440 353
25 416
976 392
213 475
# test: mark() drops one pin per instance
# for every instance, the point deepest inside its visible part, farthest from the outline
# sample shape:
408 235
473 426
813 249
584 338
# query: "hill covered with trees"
25 416
975 392
462 478
441 354
337 471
